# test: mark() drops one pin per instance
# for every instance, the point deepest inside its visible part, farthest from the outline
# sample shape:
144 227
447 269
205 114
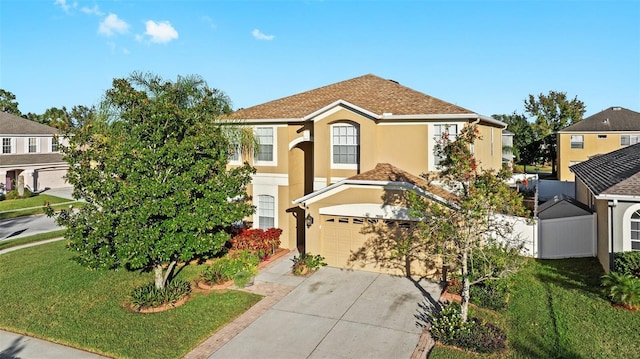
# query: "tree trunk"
159 278
464 302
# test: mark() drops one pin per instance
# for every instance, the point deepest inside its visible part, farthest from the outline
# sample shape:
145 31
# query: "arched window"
344 145
635 231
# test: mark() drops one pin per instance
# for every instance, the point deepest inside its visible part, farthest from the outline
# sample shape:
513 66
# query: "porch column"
29 180
3 179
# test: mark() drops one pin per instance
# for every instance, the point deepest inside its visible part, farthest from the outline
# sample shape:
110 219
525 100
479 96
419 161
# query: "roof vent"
617 108
606 120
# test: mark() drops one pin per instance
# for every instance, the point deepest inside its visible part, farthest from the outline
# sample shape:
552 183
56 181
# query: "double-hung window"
635 231
265 148
344 146
626 140
55 144
266 211
7 145
32 145
439 132
577 141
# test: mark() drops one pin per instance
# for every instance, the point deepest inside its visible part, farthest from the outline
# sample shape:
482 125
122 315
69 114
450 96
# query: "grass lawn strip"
48 295
557 310
33 205
9 243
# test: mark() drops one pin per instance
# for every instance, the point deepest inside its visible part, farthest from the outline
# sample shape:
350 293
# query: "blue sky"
486 56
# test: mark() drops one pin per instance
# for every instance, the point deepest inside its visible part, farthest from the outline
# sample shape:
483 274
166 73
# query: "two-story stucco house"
29 149
606 131
333 157
610 185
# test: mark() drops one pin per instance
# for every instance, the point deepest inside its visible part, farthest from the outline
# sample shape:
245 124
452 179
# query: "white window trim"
626 227
571 142
51 145
431 141
26 144
275 148
266 190
345 166
13 146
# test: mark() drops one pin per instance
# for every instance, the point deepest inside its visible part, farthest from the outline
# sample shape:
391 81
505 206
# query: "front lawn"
11 208
46 294
8 243
557 310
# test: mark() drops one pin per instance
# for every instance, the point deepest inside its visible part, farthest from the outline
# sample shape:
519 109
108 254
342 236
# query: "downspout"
610 223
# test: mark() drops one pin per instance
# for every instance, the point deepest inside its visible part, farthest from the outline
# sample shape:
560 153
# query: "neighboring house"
29 149
610 185
606 131
507 147
318 176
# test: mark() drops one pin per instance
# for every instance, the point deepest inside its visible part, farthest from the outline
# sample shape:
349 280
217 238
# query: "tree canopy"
152 167
552 113
8 103
471 234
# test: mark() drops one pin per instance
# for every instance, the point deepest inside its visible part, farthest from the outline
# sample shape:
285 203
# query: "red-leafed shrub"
262 242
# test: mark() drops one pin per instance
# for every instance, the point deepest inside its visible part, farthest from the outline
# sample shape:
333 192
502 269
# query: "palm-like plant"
623 289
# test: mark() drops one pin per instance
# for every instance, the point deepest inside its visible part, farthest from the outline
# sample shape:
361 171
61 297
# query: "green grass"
46 294
29 239
11 208
557 310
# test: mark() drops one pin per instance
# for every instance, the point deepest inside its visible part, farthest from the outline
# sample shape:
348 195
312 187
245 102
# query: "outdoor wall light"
309 220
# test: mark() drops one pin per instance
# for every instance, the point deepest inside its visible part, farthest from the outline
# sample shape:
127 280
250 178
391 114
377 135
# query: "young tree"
552 113
470 233
152 167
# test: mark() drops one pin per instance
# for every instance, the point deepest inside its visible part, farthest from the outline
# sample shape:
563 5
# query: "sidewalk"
14 346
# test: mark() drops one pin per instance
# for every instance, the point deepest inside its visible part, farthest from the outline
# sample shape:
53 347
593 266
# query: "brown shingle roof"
614 173
388 172
368 92
30 159
14 125
611 119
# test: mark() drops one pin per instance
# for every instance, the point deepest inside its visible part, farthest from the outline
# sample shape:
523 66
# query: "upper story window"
32 145
635 231
439 131
55 144
266 211
626 140
266 149
345 142
577 141
7 145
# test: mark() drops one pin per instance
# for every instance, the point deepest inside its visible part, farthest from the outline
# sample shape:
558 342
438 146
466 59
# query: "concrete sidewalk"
14 346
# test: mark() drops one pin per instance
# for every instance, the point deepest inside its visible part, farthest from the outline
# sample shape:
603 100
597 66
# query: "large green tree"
472 234
152 167
524 139
8 103
552 113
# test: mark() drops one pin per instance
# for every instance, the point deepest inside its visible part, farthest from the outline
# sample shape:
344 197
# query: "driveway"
335 313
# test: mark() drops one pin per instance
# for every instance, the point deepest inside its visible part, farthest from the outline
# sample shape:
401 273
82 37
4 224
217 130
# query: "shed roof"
561 206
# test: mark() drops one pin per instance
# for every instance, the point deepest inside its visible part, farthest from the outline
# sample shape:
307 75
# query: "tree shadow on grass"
12 351
581 274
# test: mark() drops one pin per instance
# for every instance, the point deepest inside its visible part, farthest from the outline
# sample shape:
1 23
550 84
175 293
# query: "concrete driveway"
335 313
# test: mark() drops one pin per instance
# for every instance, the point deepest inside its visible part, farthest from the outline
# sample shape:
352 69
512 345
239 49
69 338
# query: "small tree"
470 233
152 167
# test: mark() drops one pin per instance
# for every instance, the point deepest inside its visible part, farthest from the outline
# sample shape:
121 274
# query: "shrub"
482 337
623 289
454 286
13 194
628 263
491 294
307 263
257 240
242 264
242 278
148 296
216 272
447 325
475 335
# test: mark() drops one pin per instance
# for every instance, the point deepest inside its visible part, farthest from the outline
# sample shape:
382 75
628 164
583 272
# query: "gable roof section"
562 206
368 92
15 125
385 174
31 159
614 174
611 119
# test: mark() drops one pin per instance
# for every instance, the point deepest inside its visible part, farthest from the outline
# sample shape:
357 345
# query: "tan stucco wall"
592 145
487 152
602 209
404 146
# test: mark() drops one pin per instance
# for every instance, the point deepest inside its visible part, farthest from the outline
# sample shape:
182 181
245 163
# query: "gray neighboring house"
29 149
610 185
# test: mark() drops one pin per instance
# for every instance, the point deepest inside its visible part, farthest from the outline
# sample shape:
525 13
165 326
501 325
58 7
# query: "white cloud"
160 32
65 7
95 10
112 24
260 36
